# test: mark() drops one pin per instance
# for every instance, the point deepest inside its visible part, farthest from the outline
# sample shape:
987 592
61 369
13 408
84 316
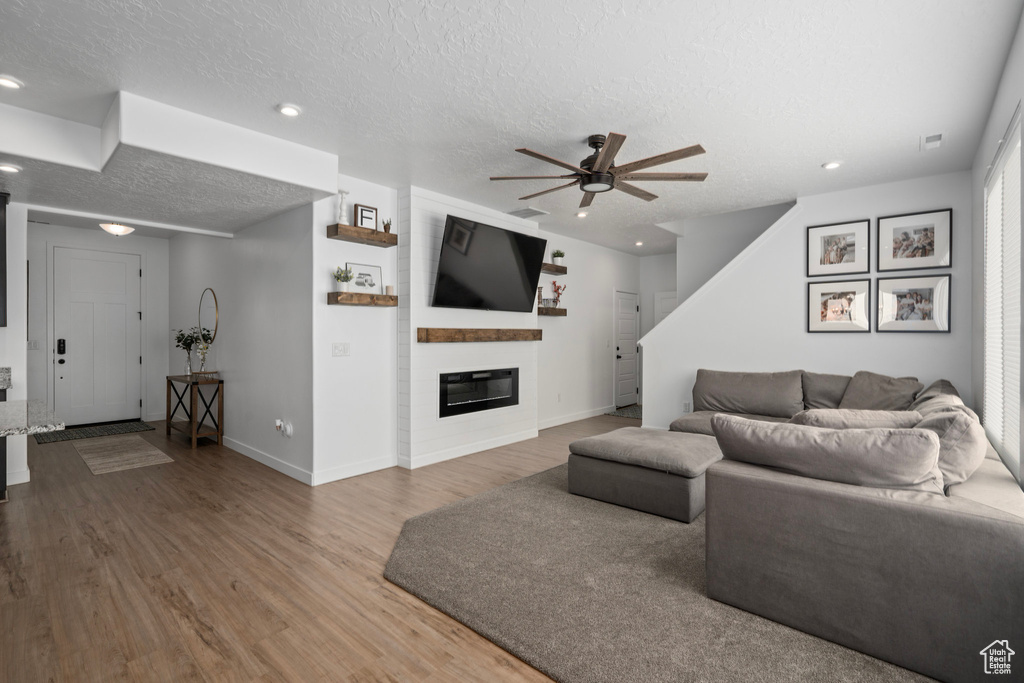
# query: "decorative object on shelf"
914 241
839 306
540 296
341 206
365 216
387 226
185 341
367 279
343 276
558 291
913 304
556 257
547 303
838 248
390 290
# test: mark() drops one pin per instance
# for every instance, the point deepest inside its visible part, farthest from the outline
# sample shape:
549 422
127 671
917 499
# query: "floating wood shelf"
350 233
544 310
553 269
360 299
433 335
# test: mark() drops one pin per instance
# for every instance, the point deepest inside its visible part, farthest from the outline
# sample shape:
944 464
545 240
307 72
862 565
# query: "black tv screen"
487 268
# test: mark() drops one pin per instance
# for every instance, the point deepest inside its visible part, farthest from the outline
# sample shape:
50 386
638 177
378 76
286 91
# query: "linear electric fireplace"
471 392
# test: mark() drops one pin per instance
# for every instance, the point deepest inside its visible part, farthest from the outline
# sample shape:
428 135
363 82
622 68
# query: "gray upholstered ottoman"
649 470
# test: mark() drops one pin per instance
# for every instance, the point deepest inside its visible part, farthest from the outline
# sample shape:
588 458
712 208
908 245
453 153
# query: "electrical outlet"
341 349
686 407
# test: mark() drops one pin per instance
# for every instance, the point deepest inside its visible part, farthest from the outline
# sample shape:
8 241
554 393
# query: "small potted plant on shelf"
556 257
343 276
558 291
387 226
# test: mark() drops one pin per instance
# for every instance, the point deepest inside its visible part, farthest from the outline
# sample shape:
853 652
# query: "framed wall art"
365 279
913 241
838 248
841 306
366 216
913 304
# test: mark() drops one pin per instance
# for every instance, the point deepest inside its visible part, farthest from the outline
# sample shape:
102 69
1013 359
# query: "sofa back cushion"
881 458
945 403
871 391
858 419
775 394
940 387
962 444
824 391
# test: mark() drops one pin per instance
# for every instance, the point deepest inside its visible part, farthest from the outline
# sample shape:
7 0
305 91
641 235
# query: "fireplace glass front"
470 392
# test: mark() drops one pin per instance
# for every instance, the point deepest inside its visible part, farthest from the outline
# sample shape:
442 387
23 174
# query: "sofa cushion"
858 419
687 455
778 394
962 444
994 486
871 391
940 387
824 391
944 404
881 458
700 422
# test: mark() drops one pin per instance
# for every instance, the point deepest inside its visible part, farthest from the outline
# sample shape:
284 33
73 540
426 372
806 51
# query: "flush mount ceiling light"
291 110
10 82
116 229
581 214
639 244
9 168
831 165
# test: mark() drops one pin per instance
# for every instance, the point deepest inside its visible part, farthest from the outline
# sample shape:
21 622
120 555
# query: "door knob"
618 356
61 362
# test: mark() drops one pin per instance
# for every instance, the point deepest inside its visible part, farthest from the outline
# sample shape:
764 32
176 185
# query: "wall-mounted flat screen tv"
487 268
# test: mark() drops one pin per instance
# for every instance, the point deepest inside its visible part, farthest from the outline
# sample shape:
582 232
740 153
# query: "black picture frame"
815 325
936 323
942 239
813 249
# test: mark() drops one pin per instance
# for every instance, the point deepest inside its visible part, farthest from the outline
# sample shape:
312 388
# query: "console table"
193 425
23 417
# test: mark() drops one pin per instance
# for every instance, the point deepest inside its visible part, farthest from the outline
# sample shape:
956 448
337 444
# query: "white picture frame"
366 279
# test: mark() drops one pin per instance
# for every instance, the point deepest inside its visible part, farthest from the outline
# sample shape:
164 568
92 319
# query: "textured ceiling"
438 93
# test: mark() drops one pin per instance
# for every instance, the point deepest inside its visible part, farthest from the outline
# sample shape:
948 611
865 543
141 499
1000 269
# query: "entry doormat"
634 411
117 453
94 431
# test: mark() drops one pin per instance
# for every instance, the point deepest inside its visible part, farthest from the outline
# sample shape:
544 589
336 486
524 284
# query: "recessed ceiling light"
116 229
831 165
639 244
10 82
289 109
9 168
581 214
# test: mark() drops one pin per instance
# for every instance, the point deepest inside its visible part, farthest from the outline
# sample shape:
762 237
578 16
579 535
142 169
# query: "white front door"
627 318
97 333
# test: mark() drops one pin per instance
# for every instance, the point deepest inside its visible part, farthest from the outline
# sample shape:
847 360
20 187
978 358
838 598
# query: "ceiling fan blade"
531 177
550 160
684 153
635 191
588 197
695 177
553 189
607 155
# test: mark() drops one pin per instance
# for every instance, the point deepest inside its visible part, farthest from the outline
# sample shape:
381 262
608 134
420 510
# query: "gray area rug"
634 411
91 432
117 453
586 591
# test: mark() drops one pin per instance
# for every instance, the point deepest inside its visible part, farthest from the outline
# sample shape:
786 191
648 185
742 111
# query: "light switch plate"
341 349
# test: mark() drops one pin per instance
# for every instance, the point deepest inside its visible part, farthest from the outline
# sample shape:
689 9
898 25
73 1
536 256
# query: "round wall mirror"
209 314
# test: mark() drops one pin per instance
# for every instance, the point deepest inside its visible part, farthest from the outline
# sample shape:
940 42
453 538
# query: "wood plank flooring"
218 568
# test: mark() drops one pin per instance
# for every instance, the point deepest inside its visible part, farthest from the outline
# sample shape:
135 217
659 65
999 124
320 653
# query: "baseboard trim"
467 449
270 461
566 419
352 470
18 477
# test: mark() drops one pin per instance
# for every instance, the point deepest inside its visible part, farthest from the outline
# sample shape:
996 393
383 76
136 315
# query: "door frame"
615 331
51 340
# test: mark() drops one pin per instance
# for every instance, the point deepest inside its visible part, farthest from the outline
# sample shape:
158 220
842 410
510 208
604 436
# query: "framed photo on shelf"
913 304
365 279
366 216
838 248
839 306
913 241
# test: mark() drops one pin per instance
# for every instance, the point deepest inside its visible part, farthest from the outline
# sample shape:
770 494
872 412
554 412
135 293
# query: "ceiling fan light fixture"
597 182
581 214
639 244
9 168
831 165
10 82
116 229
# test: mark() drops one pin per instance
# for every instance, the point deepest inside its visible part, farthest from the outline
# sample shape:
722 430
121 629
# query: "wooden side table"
194 424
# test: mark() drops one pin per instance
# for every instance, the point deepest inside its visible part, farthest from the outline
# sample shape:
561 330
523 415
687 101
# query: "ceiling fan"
597 174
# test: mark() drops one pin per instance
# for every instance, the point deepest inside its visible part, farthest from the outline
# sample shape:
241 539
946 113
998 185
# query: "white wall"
656 274
263 349
1008 98
577 356
355 398
12 337
768 278
710 242
155 301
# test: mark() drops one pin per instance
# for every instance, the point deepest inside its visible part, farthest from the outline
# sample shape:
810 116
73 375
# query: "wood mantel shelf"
546 310
350 233
553 269
433 335
360 299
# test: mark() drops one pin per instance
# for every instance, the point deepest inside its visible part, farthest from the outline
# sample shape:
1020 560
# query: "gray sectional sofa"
866 510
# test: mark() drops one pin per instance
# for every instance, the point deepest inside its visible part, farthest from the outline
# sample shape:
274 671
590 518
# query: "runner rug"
117 453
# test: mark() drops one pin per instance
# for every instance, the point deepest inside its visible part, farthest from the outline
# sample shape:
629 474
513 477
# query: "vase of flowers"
558 291
203 338
343 276
184 340
556 257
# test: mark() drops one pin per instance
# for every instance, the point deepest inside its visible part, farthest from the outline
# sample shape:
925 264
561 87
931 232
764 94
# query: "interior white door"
97 332
627 319
664 303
